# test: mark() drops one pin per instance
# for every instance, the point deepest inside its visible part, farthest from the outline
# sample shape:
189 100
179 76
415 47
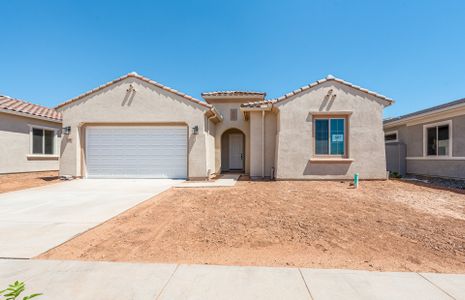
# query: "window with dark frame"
43 141
330 136
233 114
437 140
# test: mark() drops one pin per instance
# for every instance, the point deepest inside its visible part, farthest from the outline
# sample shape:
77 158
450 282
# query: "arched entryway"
233 151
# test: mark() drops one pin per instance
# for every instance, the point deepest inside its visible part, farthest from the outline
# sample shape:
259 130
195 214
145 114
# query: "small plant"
14 290
395 175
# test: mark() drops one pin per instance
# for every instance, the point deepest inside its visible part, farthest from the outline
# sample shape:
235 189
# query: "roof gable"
142 78
387 101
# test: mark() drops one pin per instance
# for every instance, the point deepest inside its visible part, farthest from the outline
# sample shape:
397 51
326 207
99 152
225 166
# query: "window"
43 141
330 136
437 139
233 114
390 137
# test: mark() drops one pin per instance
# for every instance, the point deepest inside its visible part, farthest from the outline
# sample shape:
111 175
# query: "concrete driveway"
35 220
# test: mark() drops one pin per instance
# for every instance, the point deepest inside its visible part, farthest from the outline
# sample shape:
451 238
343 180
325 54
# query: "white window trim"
425 138
392 132
329 155
55 141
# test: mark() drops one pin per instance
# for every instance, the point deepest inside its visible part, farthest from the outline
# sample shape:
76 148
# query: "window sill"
42 157
331 160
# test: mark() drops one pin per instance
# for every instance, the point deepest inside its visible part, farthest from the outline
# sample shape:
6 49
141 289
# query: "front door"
236 148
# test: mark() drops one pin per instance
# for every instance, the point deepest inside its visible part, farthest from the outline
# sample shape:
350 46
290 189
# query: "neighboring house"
29 137
428 142
134 127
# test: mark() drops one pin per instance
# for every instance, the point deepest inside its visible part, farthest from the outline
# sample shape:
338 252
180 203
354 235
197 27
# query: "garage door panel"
136 152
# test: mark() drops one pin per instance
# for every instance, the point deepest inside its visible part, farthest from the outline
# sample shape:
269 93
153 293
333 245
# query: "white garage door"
136 152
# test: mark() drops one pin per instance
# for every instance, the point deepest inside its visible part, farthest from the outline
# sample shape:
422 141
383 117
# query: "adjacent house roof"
135 75
388 101
16 106
427 111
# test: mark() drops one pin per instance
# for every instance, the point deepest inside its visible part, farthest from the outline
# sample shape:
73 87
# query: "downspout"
263 144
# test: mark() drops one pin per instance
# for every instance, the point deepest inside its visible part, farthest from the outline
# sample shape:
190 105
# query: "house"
29 137
428 142
134 127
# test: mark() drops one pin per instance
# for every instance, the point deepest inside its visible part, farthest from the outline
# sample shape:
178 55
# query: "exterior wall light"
67 130
195 130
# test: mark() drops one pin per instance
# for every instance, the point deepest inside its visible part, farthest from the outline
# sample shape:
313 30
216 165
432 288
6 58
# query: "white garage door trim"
136 152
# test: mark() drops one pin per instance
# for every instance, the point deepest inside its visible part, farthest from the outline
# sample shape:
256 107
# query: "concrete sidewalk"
106 280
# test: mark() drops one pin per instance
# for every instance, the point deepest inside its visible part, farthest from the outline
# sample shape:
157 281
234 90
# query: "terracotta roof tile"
233 93
8 104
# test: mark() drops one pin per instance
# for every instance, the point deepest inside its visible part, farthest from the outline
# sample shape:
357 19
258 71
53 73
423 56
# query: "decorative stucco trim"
331 160
428 158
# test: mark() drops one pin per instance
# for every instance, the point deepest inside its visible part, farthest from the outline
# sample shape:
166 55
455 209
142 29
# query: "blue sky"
411 51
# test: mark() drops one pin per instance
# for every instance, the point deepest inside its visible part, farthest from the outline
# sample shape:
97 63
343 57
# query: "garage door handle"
242 156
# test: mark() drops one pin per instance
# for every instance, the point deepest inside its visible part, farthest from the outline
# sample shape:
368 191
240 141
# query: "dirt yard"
19 181
389 226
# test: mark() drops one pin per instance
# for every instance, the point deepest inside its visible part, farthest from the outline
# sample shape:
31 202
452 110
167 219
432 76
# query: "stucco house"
428 142
135 127
29 137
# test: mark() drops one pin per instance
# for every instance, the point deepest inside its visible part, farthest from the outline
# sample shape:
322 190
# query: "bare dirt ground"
19 181
388 226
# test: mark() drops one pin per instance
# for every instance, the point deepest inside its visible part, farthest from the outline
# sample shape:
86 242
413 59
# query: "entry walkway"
225 180
106 280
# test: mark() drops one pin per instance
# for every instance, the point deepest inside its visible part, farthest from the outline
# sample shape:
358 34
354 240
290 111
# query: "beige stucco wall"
295 144
241 124
257 138
210 133
15 144
148 105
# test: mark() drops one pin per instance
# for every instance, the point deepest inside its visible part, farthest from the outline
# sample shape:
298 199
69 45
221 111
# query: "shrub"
14 290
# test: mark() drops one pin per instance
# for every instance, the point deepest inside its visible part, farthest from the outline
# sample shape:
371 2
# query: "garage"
136 152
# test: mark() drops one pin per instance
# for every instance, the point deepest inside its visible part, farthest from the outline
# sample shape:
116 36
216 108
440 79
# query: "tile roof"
427 110
233 93
145 79
11 105
313 84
